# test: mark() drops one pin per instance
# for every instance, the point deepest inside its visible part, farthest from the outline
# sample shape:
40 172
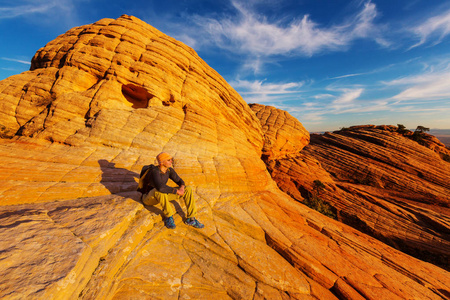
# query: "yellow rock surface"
72 224
283 134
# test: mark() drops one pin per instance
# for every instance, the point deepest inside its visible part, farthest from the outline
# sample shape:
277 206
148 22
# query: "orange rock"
73 226
379 182
283 134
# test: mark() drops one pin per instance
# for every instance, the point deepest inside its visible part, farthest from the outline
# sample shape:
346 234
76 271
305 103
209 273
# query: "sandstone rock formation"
404 187
283 134
379 182
72 224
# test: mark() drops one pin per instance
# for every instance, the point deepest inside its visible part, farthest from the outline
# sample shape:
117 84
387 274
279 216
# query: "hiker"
154 189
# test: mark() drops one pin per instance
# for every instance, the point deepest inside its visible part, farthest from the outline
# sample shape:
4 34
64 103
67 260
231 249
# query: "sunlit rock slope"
76 132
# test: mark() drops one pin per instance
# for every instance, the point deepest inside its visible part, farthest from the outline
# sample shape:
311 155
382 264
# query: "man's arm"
177 179
159 184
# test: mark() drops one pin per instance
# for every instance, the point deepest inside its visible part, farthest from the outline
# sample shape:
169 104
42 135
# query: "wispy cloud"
347 98
16 60
20 8
259 87
313 117
42 12
349 75
323 96
433 83
253 35
436 28
363 26
380 69
260 91
425 87
414 99
341 101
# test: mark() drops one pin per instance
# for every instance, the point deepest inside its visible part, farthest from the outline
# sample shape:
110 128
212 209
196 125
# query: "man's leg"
190 202
165 199
191 209
149 198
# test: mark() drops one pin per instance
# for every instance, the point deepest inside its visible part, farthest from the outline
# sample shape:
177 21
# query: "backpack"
142 176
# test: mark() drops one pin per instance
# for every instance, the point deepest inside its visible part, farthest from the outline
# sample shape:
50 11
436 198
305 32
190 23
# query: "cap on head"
163 156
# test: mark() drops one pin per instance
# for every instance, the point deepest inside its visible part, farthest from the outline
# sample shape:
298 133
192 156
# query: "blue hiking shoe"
194 223
169 222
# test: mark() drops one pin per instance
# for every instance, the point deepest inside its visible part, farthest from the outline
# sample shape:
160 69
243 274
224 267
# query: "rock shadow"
117 180
136 95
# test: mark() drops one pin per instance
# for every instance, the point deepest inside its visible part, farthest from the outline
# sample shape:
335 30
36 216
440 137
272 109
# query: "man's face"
167 163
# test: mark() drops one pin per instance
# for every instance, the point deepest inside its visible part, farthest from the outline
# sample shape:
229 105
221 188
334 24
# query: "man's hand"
180 191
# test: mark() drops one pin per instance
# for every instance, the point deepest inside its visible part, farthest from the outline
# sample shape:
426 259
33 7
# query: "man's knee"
149 199
159 195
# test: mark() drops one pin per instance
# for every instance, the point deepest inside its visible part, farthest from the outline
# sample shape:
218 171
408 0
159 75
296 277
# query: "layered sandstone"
283 134
404 187
378 181
77 128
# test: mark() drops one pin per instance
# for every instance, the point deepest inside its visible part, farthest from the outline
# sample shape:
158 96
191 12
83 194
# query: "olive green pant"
154 197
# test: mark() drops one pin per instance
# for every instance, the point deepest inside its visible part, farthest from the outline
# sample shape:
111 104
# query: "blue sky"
330 63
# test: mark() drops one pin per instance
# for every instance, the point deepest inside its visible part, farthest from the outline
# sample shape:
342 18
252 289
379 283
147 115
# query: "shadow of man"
117 180
124 182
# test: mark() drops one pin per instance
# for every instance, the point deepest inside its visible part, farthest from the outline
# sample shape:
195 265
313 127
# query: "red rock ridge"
378 181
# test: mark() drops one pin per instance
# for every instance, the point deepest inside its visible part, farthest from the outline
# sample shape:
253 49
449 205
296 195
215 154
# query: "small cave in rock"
136 95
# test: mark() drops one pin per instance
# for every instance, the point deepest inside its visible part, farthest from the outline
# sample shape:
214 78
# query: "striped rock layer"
76 130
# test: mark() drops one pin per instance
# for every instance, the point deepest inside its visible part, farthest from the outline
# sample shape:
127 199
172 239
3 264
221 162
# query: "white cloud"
437 26
16 60
345 99
432 84
259 87
186 39
369 107
261 92
323 96
346 102
349 75
313 117
253 63
21 8
348 97
43 12
426 87
363 26
253 35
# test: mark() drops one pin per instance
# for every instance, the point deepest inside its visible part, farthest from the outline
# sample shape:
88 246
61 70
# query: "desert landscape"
102 100
442 135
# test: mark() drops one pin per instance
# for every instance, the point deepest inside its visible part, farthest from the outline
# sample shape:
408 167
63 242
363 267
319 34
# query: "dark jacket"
154 178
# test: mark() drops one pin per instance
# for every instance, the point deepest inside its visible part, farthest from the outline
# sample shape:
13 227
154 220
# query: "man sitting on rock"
154 189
